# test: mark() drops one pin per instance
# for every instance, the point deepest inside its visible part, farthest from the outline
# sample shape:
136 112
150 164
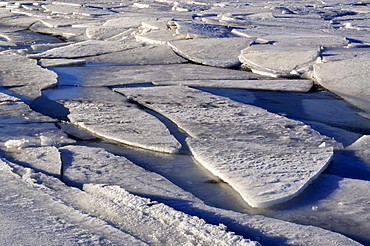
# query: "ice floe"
123 122
347 78
250 84
203 50
123 75
232 141
85 165
280 61
24 77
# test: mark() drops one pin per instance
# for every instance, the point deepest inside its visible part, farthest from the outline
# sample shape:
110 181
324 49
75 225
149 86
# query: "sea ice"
13 110
218 52
44 159
85 165
249 84
34 212
123 122
61 62
123 75
141 55
252 150
347 78
31 133
23 76
172 227
200 30
280 61
82 49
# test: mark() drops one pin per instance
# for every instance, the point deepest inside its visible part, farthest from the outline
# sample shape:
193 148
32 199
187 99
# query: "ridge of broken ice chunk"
267 158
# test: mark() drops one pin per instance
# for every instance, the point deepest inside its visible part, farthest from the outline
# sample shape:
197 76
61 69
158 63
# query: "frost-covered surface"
92 46
252 150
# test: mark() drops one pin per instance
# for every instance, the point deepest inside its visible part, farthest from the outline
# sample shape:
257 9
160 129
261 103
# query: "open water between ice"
313 108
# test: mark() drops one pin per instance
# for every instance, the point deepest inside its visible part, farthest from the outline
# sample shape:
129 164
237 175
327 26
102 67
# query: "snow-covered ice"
116 119
24 76
63 63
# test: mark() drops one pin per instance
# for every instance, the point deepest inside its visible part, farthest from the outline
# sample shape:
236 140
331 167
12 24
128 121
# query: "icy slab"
158 37
200 30
280 61
348 79
104 32
65 32
24 76
121 75
13 110
122 122
74 9
45 159
61 62
218 52
313 40
339 54
142 55
21 36
84 165
251 84
32 134
172 227
252 150
82 49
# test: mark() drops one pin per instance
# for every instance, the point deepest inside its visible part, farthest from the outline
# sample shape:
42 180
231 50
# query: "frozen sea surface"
123 123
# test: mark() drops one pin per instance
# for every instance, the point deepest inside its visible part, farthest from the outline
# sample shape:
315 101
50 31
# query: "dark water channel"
314 108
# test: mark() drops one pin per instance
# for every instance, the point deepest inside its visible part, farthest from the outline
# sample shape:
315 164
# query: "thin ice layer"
122 122
267 158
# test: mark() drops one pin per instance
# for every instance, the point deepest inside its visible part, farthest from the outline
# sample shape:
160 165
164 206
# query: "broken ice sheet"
280 61
141 55
123 75
116 119
82 49
256 152
83 165
45 159
251 84
33 134
348 79
13 110
201 30
61 62
218 52
24 76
